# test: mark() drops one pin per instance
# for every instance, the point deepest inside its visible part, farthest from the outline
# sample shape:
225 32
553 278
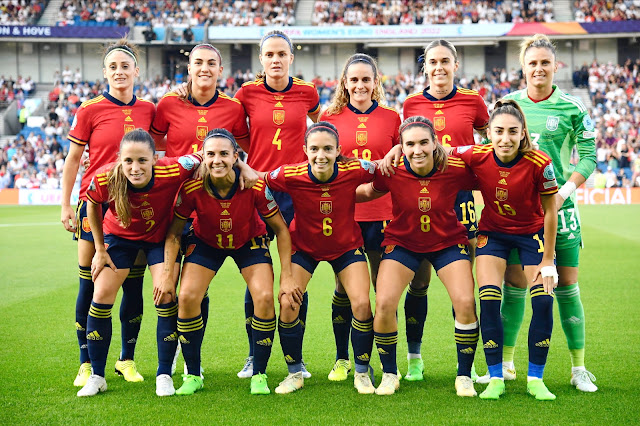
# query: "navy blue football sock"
540 330
491 326
416 305
166 336
291 342
99 335
387 344
263 332
248 315
131 309
190 333
341 320
466 336
83 303
362 342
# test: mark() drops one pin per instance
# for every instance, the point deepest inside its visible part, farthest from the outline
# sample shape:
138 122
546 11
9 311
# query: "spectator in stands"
23 115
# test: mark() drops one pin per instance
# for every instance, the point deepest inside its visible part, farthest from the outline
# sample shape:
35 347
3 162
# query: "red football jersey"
511 192
423 216
100 123
150 206
186 123
277 121
323 225
356 141
454 117
230 222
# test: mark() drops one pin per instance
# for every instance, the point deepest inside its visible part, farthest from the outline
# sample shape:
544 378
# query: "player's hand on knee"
99 261
549 275
166 287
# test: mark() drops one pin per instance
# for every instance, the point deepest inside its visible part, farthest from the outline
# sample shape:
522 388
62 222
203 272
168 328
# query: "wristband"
549 271
567 189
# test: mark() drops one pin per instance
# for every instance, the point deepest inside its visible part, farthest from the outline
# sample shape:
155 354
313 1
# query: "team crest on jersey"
190 250
278 117
361 137
326 207
549 173
438 124
201 132
424 204
502 194
388 249
147 213
552 123
225 225
128 128
482 240
85 224
274 173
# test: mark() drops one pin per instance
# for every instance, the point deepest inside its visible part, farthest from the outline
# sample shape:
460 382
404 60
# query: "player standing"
277 106
226 224
323 191
100 124
558 123
518 186
140 190
368 129
423 190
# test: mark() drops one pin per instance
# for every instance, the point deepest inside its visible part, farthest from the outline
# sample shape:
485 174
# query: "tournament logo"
463 149
502 194
424 204
178 201
361 137
147 213
326 207
552 123
190 250
128 128
388 249
225 225
186 162
85 224
549 173
482 240
278 117
368 166
201 132
438 124
274 173
587 122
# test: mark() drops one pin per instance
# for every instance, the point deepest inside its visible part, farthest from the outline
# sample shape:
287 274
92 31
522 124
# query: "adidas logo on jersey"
573 320
571 236
490 345
382 351
543 344
363 357
94 335
265 342
339 320
183 340
288 359
467 351
502 182
172 337
424 191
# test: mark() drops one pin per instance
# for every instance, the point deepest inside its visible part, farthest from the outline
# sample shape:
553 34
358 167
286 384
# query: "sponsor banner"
9 196
36 197
70 31
608 196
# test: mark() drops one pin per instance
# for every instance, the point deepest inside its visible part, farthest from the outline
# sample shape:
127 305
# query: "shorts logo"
438 124
190 250
502 194
424 204
552 123
278 117
326 207
225 225
147 213
388 249
85 224
482 240
129 127
201 132
361 137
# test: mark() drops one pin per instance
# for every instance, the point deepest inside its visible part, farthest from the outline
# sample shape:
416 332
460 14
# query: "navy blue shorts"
373 234
466 212
285 204
254 252
187 232
439 259
123 252
310 264
530 246
83 232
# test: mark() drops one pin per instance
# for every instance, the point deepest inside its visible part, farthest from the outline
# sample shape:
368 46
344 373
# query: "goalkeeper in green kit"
557 123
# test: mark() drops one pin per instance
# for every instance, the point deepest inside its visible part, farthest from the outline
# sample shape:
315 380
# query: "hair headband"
416 123
208 47
282 36
121 49
360 59
325 128
220 134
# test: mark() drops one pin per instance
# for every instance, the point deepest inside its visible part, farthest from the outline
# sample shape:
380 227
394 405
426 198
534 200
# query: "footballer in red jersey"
226 225
186 122
424 228
140 190
518 185
323 228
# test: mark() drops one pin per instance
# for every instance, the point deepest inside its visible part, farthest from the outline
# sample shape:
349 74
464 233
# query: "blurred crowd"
21 12
605 10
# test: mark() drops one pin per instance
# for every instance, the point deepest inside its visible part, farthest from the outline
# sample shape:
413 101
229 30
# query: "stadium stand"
601 10
21 12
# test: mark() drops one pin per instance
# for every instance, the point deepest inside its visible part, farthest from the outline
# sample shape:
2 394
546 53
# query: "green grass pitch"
39 355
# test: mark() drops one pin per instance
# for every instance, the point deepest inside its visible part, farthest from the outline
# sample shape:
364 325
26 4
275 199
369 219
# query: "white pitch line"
9 225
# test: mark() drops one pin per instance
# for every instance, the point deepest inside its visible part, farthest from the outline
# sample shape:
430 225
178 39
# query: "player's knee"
361 307
465 308
262 301
287 314
385 308
189 298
